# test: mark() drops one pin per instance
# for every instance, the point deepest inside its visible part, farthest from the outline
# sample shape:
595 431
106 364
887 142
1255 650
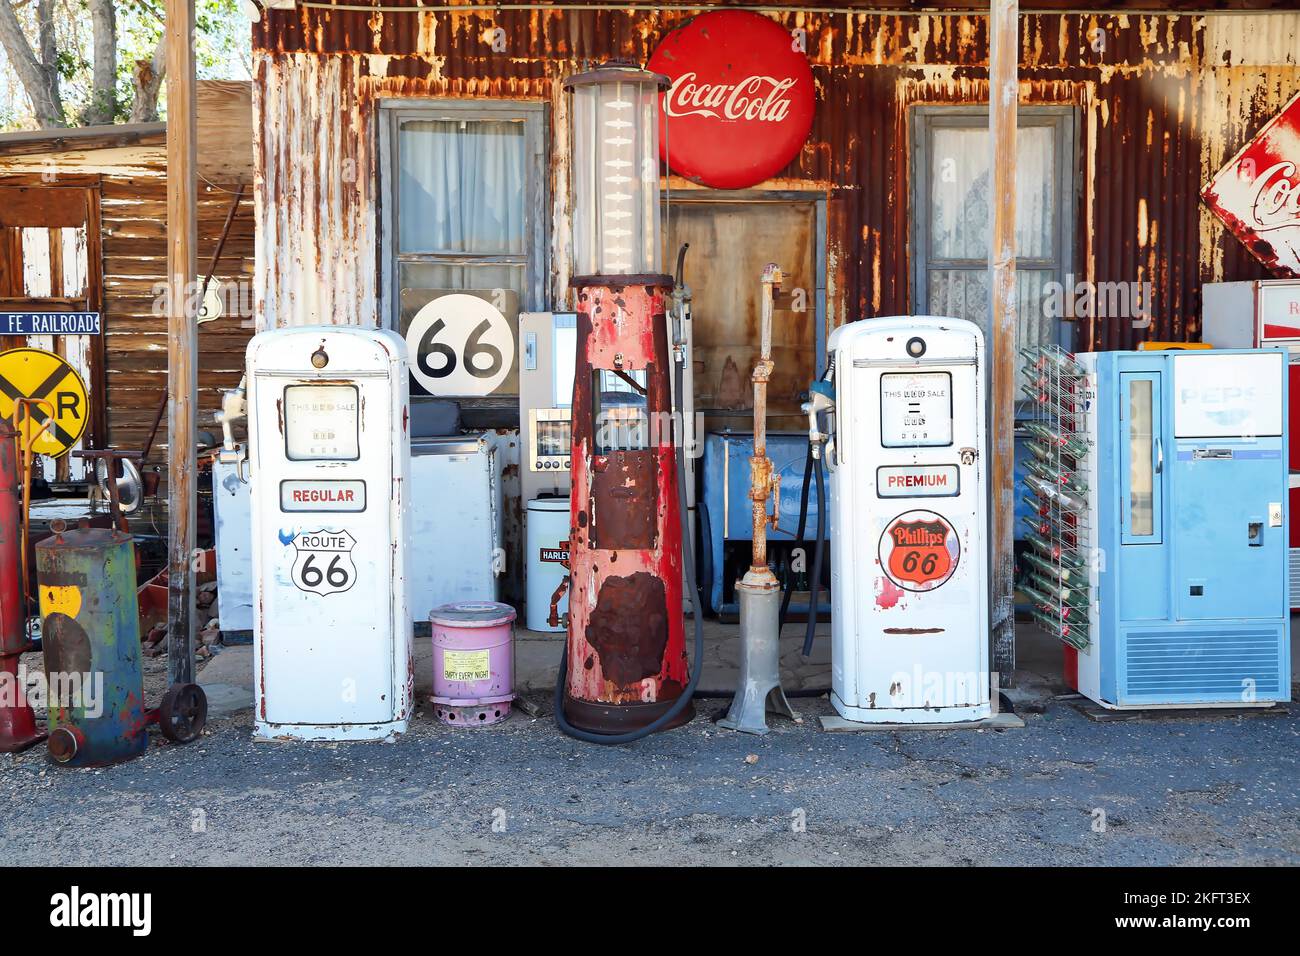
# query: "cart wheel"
183 713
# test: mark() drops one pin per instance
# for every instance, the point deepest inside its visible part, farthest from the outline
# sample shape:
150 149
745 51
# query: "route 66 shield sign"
919 550
323 564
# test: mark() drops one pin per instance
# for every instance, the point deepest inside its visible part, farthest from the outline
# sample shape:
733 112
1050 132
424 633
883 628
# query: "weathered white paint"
314 193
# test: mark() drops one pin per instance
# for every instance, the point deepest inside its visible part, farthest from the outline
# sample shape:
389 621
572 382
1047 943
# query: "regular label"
465 665
919 550
320 495
917 481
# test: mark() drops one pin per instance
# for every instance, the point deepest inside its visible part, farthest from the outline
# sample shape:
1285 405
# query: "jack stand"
758 693
758 592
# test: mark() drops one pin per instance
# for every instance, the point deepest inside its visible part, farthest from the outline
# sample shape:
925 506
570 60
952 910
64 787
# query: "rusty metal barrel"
91 634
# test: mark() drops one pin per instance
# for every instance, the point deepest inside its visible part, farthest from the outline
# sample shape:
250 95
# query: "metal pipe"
207 280
1002 346
25 443
761 483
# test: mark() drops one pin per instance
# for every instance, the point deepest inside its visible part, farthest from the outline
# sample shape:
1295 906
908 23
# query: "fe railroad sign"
33 373
50 323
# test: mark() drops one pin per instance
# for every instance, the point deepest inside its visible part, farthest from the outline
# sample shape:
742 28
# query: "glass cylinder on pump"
616 171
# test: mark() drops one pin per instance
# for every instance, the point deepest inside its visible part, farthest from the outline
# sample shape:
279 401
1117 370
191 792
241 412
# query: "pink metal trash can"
473 662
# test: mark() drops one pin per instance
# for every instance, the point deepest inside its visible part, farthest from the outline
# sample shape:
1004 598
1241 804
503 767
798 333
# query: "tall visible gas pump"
909 565
625 672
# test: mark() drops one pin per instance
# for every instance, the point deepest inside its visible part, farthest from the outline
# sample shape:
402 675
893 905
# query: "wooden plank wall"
134 214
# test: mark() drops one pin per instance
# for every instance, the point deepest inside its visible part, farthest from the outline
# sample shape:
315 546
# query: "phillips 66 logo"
919 550
323 564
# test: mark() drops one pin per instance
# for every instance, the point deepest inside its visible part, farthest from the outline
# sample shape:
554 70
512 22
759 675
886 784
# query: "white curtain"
960 213
461 187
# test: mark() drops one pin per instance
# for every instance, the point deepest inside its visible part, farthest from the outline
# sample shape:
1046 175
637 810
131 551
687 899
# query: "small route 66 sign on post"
460 345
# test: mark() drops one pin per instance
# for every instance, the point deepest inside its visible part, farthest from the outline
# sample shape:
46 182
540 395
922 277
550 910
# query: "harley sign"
741 102
1257 194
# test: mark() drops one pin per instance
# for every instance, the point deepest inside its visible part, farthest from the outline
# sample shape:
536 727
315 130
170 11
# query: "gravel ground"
1217 790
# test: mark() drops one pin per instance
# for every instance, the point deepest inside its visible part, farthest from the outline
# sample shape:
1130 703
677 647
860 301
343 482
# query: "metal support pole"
182 339
760 466
1003 97
759 691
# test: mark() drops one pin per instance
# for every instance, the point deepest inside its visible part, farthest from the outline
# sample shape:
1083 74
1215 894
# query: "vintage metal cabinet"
457 551
1187 530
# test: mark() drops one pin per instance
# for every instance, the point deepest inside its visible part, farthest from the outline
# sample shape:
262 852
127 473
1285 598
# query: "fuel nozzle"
821 400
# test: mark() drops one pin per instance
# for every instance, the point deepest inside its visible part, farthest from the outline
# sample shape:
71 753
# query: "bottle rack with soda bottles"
1056 559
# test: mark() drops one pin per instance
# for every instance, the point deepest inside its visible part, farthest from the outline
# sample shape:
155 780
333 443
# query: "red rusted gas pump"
17 721
626 672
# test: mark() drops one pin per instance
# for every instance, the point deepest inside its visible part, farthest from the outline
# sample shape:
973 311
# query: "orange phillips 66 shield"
919 550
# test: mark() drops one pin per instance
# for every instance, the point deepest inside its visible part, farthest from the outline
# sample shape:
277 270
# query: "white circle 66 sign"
460 345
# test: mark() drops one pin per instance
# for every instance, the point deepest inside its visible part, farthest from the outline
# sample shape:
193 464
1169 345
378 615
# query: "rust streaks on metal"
1161 102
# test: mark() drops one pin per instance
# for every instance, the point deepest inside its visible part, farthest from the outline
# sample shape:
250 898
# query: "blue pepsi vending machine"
1185 483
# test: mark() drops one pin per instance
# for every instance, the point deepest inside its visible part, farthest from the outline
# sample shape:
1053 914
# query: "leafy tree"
90 62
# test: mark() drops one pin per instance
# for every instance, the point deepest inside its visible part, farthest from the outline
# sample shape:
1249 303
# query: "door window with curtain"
952 215
464 190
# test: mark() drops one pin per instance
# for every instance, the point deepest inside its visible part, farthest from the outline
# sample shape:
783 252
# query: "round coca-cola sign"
741 102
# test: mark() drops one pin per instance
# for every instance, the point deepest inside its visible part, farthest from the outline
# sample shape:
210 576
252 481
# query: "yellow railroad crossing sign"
34 373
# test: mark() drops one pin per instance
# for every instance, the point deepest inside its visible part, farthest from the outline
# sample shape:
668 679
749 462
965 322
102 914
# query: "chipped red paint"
626 635
889 594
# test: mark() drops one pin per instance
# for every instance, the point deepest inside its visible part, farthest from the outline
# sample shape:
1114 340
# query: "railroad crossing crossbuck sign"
33 373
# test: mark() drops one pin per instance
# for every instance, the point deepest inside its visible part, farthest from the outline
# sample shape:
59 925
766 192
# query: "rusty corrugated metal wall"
1162 101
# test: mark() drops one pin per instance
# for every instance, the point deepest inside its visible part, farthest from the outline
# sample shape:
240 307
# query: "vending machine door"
1229 478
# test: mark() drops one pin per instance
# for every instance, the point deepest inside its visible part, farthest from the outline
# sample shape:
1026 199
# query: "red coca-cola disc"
741 104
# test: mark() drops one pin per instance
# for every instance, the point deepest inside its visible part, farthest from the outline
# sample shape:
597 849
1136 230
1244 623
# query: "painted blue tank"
91 635
726 511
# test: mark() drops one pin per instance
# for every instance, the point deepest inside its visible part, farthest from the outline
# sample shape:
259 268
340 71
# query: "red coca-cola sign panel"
1257 194
741 102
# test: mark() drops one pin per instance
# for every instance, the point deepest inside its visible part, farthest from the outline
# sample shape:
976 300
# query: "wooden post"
182 339
1003 96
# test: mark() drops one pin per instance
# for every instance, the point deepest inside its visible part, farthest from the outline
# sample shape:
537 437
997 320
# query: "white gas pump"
909 562
327 416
